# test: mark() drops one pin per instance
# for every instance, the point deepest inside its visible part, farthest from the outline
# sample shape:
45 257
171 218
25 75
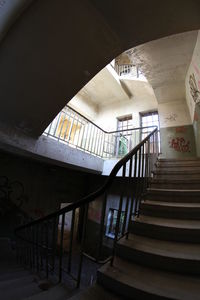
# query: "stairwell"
159 260
161 257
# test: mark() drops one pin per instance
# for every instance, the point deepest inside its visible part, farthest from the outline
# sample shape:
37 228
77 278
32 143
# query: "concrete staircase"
161 257
159 260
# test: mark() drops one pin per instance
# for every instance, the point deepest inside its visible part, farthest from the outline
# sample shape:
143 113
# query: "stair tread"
166 222
173 180
160 247
156 282
170 190
172 204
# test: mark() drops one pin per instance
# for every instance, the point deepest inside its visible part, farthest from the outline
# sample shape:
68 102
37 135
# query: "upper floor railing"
56 245
77 131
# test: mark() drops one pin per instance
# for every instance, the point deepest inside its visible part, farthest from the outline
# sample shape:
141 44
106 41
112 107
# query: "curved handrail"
87 199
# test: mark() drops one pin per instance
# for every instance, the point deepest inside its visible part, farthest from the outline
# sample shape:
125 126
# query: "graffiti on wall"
12 195
179 144
195 93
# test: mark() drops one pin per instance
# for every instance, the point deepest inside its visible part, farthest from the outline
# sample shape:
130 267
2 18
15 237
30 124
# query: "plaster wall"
45 188
142 100
193 70
49 150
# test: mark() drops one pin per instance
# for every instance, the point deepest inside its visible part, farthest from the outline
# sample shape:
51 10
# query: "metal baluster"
128 195
103 213
75 128
90 141
56 127
68 123
61 246
82 138
47 249
71 128
88 126
61 127
71 240
95 141
37 248
82 244
54 242
117 228
79 132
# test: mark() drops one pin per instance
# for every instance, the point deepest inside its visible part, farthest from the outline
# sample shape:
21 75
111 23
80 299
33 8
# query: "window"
124 123
112 222
149 119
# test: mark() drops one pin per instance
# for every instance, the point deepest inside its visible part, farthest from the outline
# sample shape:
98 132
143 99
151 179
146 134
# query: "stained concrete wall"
192 84
49 150
45 188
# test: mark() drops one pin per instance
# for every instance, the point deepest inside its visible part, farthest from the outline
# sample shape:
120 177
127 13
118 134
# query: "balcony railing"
77 131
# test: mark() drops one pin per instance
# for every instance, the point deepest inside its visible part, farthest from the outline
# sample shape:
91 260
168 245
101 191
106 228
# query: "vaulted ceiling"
53 48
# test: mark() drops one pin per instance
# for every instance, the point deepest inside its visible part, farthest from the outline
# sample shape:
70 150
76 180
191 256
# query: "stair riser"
170 212
124 290
168 197
175 176
179 164
174 185
157 261
166 233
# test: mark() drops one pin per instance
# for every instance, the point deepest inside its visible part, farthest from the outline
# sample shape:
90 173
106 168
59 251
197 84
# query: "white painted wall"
194 68
174 114
143 100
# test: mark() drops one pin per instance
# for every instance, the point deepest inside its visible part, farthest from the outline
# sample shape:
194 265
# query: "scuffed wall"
192 84
44 186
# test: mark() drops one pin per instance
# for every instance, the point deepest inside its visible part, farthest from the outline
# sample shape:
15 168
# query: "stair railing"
79 132
51 244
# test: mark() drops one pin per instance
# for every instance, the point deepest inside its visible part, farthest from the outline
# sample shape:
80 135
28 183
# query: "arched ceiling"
55 47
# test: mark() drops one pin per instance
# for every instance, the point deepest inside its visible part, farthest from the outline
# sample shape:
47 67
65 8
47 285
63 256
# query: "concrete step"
167 229
190 184
173 195
179 159
170 210
133 281
164 255
176 162
176 174
96 292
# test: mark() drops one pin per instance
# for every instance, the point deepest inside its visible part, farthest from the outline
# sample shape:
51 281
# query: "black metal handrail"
35 236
